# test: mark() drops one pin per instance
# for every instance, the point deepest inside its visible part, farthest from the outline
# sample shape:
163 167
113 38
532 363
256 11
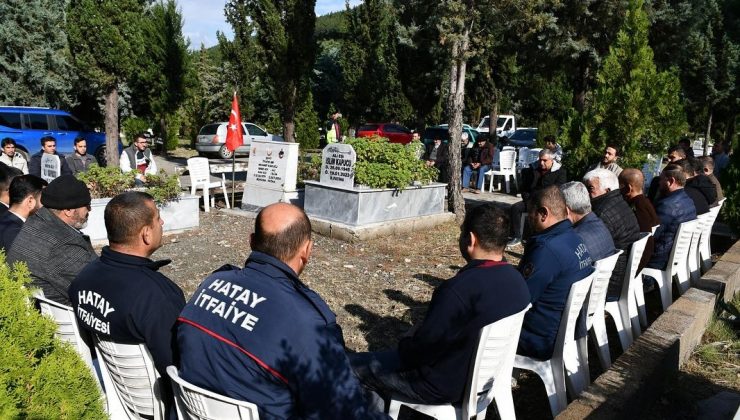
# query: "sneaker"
466 190
476 191
514 242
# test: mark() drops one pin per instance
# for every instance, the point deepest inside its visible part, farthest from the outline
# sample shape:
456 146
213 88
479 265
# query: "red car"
396 133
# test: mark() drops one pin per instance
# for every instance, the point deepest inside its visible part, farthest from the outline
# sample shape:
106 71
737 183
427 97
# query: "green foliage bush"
307 125
110 181
730 180
381 164
308 169
40 377
133 126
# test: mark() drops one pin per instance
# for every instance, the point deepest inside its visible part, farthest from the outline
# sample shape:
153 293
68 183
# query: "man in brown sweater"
631 181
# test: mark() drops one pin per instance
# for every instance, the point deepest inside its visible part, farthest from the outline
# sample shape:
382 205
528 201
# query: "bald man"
259 334
631 181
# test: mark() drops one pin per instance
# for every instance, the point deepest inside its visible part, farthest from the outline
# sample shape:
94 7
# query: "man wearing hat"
51 243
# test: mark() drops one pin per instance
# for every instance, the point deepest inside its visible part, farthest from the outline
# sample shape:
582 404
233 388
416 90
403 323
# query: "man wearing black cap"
51 243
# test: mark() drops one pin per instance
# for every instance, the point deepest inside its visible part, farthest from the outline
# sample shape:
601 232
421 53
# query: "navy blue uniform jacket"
553 260
443 346
260 335
10 225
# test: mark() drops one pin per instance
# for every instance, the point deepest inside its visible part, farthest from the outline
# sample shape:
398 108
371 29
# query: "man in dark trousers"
554 258
25 200
432 365
51 243
259 334
480 159
121 295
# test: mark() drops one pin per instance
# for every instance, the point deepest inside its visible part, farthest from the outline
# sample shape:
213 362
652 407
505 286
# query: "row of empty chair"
509 162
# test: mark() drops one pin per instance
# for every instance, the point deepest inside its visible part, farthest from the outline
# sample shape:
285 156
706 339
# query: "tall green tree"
35 65
635 106
160 82
106 43
285 31
371 86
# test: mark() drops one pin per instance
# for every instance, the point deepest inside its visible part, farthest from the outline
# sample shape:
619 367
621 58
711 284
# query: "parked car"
442 132
211 139
26 125
505 125
522 137
395 133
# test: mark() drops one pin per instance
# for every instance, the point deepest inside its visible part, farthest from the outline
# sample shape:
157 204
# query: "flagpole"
233 179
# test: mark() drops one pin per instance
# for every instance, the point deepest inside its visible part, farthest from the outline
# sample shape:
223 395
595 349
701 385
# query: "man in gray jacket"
51 243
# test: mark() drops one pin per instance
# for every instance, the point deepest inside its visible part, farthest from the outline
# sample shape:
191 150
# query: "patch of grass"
716 358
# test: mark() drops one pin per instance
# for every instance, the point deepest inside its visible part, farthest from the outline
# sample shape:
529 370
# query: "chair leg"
634 318
574 376
223 188
556 392
666 290
394 408
504 403
624 332
602 342
683 281
582 344
507 184
640 301
206 200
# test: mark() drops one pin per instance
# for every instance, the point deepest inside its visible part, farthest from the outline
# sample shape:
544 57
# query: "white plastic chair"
508 148
522 157
67 329
565 355
595 323
705 247
677 265
507 168
694 259
624 311
130 379
195 403
200 177
490 376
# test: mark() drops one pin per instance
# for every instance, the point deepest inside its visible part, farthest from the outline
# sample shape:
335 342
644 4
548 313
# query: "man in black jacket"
698 184
121 295
543 173
607 202
25 200
437 155
49 147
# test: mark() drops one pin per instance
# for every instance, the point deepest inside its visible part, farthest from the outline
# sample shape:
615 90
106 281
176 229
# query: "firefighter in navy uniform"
259 334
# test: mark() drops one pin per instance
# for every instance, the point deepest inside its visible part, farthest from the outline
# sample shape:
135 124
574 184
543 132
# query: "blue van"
26 125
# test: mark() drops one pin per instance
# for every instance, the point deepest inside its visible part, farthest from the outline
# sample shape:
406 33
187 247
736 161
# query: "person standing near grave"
138 157
80 161
333 130
12 158
56 164
259 334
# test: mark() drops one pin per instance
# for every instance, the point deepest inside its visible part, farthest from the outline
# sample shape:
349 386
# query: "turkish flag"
234 132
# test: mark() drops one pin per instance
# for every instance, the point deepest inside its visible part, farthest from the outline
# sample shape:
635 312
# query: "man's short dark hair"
686 167
79 139
141 135
490 225
126 214
677 149
550 197
7 141
283 244
696 165
47 139
550 139
616 149
675 171
24 185
7 173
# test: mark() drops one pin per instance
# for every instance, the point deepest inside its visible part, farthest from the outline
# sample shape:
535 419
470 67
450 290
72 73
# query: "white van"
505 125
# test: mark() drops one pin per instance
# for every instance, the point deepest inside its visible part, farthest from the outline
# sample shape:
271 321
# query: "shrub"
307 125
110 181
40 377
730 179
308 170
381 164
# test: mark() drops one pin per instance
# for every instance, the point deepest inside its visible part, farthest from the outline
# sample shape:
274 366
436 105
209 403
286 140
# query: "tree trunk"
709 131
289 130
580 87
492 119
163 130
455 102
111 127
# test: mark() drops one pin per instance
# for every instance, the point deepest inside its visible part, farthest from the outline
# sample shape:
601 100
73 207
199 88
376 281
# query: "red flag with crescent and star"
234 132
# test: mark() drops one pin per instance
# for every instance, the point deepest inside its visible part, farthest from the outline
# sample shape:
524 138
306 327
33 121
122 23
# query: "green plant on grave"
110 181
308 170
40 376
381 164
